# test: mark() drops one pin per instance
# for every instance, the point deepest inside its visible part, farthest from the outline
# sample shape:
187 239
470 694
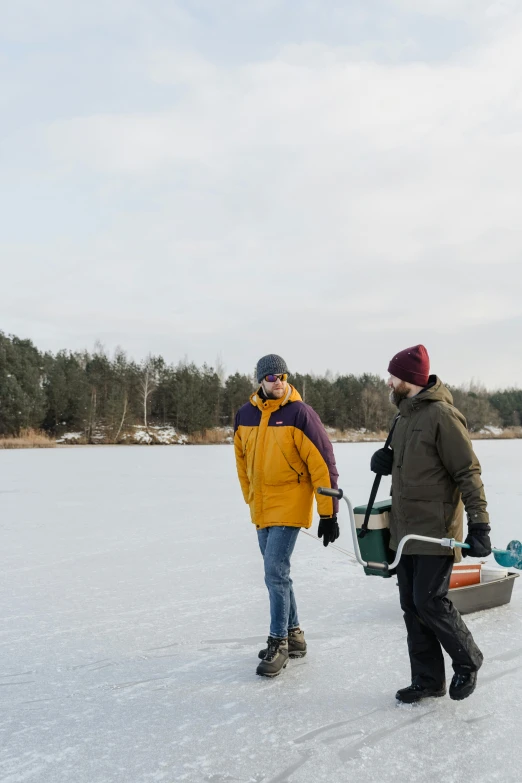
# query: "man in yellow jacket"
283 455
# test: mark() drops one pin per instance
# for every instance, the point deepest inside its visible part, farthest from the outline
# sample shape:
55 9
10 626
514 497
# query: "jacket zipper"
403 451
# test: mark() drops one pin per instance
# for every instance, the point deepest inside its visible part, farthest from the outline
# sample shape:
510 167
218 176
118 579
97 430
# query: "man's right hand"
382 461
328 530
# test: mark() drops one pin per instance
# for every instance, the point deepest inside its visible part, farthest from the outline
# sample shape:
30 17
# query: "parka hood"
435 391
292 395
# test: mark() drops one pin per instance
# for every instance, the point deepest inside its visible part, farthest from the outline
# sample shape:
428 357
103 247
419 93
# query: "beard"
399 394
270 395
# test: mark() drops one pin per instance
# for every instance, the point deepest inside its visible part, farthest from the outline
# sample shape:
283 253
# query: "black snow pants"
432 620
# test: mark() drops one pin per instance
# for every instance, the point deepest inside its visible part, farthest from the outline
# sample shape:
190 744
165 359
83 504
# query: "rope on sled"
334 546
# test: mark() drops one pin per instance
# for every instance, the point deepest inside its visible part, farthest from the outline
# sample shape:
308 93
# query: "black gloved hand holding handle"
328 530
478 540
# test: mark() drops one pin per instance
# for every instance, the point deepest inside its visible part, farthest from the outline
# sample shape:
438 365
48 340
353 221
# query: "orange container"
465 575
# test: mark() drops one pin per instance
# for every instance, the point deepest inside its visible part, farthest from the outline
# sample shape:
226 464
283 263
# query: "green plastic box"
375 546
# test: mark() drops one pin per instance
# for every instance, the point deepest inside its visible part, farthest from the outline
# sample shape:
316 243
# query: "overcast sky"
331 180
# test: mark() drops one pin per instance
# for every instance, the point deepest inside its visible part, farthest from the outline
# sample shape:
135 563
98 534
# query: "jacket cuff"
480 521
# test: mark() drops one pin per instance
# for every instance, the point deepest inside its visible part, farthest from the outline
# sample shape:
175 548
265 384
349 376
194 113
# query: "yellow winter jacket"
282 455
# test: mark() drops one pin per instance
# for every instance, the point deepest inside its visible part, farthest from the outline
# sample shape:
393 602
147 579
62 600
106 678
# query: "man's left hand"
382 462
478 540
328 530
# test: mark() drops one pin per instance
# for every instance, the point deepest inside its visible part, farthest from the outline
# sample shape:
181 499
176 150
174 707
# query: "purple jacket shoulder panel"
285 415
248 416
308 421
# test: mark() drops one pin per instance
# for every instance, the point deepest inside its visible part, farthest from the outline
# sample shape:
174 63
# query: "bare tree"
147 385
221 370
125 404
92 415
99 349
370 403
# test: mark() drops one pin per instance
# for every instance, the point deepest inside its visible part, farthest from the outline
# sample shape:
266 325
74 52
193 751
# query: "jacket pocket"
249 451
449 513
423 510
427 492
281 465
424 519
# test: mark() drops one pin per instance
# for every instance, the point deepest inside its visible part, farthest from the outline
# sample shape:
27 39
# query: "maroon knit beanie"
411 365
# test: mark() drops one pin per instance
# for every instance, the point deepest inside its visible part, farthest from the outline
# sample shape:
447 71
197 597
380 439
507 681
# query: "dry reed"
210 436
510 433
28 439
355 436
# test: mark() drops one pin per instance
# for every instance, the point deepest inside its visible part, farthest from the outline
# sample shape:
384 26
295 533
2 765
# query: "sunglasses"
273 378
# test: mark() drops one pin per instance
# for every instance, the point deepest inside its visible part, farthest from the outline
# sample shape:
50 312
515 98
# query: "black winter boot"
462 685
415 692
276 657
296 644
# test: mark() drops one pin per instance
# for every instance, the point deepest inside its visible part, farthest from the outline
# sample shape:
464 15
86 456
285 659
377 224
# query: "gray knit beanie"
271 364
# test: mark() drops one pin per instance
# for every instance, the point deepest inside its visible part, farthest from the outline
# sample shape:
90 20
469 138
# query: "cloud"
371 162
315 198
467 10
29 21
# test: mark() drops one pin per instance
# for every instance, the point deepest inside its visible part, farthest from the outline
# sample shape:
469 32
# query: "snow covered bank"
151 435
166 435
497 433
169 436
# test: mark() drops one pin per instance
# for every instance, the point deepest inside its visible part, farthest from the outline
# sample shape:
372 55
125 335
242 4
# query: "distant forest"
84 391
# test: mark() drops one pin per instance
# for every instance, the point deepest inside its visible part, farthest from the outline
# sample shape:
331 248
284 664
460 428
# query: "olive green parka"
435 473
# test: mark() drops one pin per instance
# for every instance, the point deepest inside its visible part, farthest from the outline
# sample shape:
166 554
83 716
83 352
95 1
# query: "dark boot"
462 685
296 644
276 658
415 692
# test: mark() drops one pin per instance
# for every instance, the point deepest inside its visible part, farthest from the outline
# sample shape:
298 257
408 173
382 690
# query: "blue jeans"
277 544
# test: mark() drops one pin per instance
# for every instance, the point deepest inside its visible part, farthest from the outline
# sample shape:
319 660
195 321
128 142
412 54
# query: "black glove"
382 461
328 530
478 540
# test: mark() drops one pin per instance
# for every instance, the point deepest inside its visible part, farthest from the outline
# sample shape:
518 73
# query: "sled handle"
453 543
338 493
379 566
332 493
508 558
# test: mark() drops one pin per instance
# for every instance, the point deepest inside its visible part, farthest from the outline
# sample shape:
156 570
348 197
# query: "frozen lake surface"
133 607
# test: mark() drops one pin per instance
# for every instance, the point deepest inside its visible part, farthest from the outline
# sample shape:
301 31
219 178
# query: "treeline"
85 391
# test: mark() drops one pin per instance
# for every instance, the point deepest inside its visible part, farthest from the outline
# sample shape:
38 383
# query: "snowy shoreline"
376 439
139 435
168 436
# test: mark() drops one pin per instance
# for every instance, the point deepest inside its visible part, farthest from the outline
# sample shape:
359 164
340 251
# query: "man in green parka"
435 475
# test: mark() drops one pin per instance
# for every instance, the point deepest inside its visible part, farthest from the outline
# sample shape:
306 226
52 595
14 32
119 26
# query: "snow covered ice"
133 607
